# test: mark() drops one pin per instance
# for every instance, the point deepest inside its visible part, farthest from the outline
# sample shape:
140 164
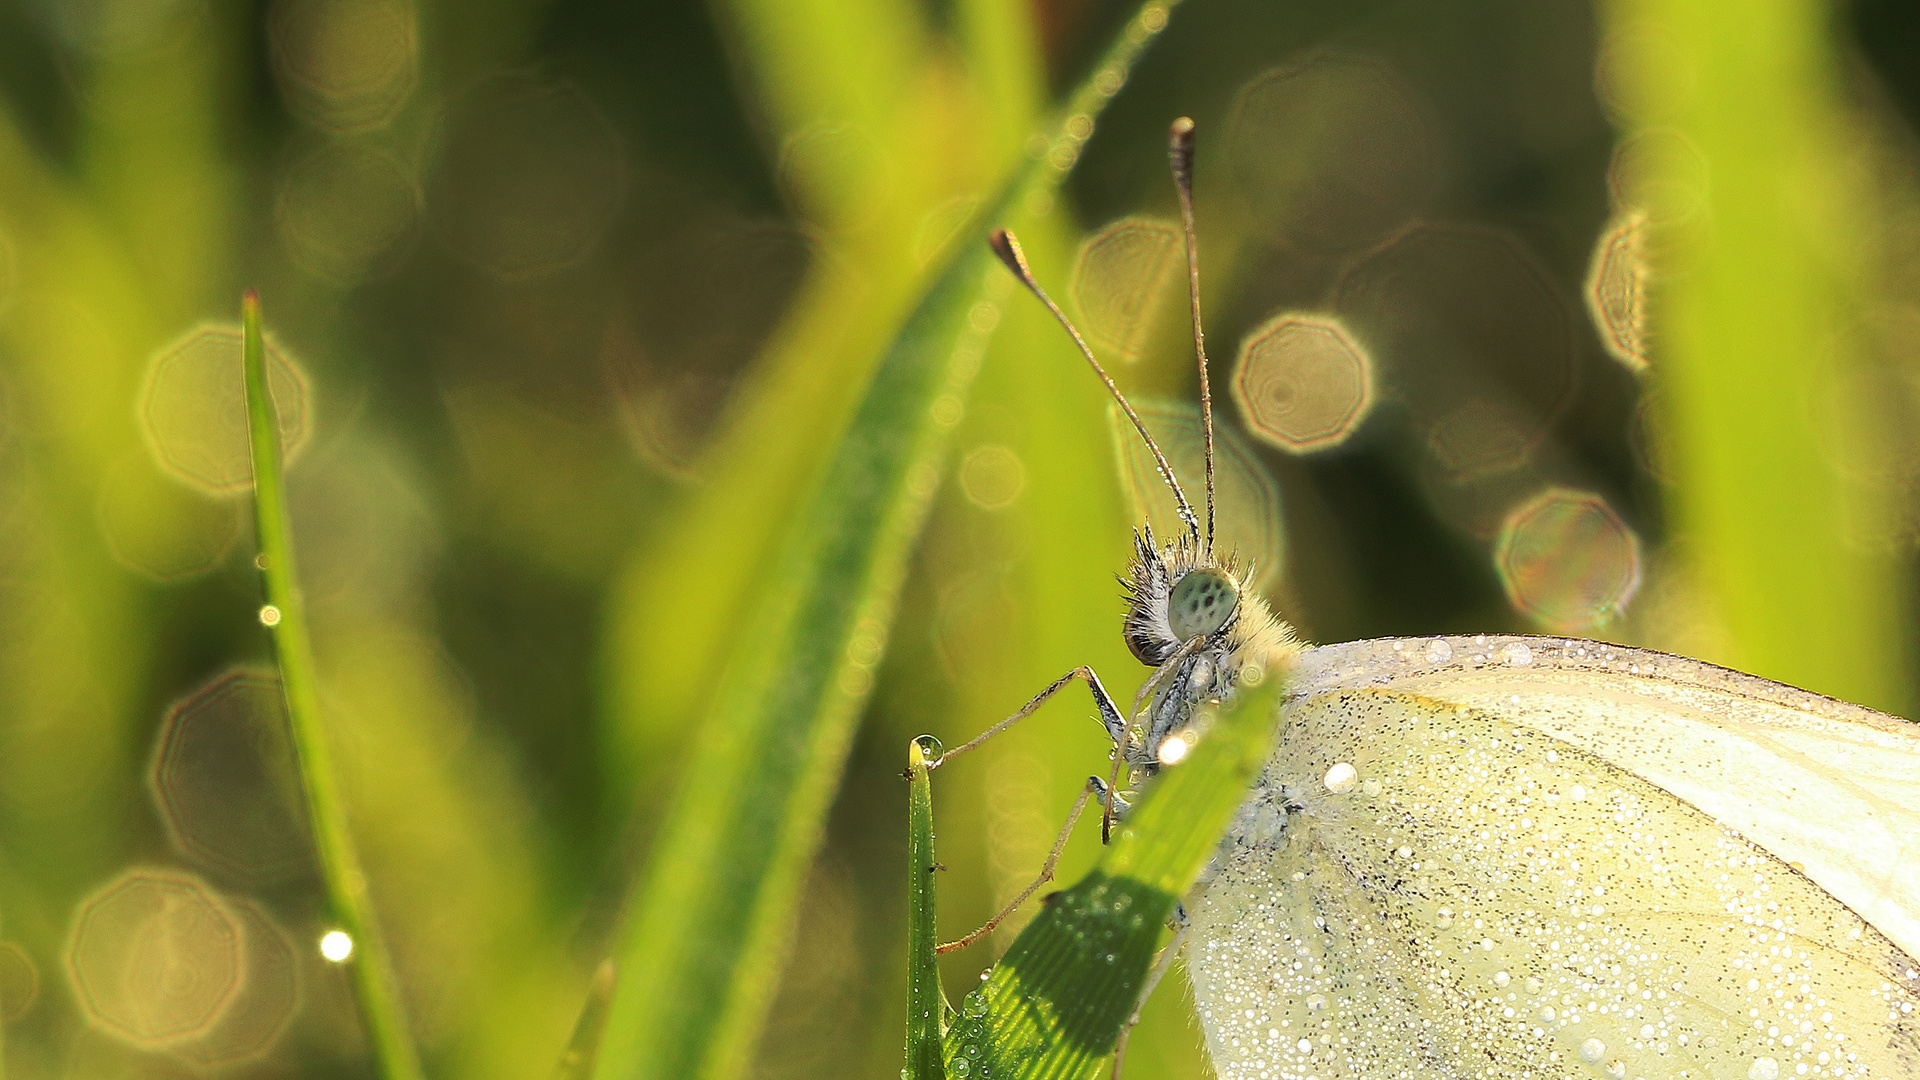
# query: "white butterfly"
1537 857
1519 857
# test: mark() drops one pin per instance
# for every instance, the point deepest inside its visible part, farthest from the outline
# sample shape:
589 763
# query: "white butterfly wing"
1830 787
1485 895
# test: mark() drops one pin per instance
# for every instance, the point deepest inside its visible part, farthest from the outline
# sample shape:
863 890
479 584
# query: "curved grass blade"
702 947
374 985
1756 269
1053 1008
584 1046
927 1007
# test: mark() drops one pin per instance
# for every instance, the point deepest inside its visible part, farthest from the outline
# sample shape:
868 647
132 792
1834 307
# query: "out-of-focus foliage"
1598 320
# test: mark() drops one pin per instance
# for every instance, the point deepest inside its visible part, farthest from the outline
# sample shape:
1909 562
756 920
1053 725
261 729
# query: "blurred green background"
1524 315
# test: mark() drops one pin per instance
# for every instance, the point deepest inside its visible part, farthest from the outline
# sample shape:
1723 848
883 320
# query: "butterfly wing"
1832 788
1487 897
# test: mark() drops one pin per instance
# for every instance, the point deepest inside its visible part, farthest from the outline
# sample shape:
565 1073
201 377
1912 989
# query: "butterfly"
1516 857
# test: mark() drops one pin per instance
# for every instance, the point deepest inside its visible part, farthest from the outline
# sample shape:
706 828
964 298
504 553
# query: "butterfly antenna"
1005 246
1180 156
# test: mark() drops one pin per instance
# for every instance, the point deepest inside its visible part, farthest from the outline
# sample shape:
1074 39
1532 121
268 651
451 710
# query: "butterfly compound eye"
1202 602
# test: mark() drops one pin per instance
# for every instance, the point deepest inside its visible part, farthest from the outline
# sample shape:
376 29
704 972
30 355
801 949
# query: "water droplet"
1533 985
1445 921
961 1066
1546 1014
1341 778
269 615
1372 787
1316 1002
930 749
1501 979
1764 1069
1174 749
1592 1050
336 946
1517 654
1438 652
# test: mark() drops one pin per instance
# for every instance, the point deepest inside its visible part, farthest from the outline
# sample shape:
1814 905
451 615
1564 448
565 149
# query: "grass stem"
375 987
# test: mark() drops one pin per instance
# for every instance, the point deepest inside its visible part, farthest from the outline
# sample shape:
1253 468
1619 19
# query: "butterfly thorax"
1196 619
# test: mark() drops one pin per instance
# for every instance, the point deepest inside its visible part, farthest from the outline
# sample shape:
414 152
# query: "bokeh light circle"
531 177
1331 153
225 780
158 527
19 982
1568 560
156 958
1119 280
1472 333
1247 498
194 410
269 995
345 63
1302 382
992 477
1616 290
347 212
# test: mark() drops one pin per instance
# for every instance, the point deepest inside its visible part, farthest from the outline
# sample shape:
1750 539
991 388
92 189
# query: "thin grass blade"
703 945
374 985
926 1002
584 1047
1053 1008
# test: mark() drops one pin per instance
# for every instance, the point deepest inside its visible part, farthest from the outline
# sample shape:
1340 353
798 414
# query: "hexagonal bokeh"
194 408
19 982
1246 498
347 212
1616 290
1568 560
1331 152
156 958
1303 383
345 63
1462 322
225 779
672 375
157 527
531 177
8 276
270 991
1120 278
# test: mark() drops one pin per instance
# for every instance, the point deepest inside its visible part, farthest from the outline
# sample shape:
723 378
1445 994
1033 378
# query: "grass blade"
1757 268
1053 1007
584 1047
702 949
375 987
926 1001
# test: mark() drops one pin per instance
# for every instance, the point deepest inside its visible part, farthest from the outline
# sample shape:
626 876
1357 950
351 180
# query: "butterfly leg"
1103 701
1178 919
1094 786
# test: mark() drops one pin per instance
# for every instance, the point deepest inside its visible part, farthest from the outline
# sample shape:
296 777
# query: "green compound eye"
1201 603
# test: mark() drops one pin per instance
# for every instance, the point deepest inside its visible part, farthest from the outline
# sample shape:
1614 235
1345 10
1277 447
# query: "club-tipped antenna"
1180 156
1008 248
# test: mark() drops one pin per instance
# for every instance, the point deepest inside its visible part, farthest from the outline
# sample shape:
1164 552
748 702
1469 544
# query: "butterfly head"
1175 594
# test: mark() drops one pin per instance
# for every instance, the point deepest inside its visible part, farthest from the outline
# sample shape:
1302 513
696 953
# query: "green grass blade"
1761 241
1053 1007
703 944
584 1047
926 1001
375 987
